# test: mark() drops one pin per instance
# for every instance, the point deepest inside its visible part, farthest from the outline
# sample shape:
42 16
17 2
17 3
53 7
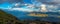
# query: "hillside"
6 18
27 19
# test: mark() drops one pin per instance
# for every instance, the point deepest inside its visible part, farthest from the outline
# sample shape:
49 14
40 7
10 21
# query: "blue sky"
7 3
27 1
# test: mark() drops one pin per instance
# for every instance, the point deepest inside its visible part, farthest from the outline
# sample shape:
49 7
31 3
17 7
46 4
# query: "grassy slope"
7 17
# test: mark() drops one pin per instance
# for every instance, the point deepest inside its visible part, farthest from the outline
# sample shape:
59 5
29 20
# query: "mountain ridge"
6 18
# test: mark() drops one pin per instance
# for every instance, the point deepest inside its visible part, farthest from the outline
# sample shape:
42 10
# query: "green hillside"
6 18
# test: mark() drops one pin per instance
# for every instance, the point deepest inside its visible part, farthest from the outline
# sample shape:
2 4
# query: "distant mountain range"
53 16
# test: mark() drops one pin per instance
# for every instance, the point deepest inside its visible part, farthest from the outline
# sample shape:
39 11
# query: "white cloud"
21 9
52 8
43 8
57 1
30 6
17 4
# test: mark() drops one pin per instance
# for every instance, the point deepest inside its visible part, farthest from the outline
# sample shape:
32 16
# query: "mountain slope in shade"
6 18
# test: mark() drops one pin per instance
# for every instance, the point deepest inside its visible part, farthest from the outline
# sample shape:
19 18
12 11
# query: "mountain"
6 18
52 17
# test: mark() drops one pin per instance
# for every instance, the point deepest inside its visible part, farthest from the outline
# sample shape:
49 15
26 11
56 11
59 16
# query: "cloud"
43 8
43 1
49 2
52 8
21 9
31 8
10 1
1 1
57 1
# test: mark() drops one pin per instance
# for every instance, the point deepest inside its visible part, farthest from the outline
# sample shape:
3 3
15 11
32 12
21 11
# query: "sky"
7 3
